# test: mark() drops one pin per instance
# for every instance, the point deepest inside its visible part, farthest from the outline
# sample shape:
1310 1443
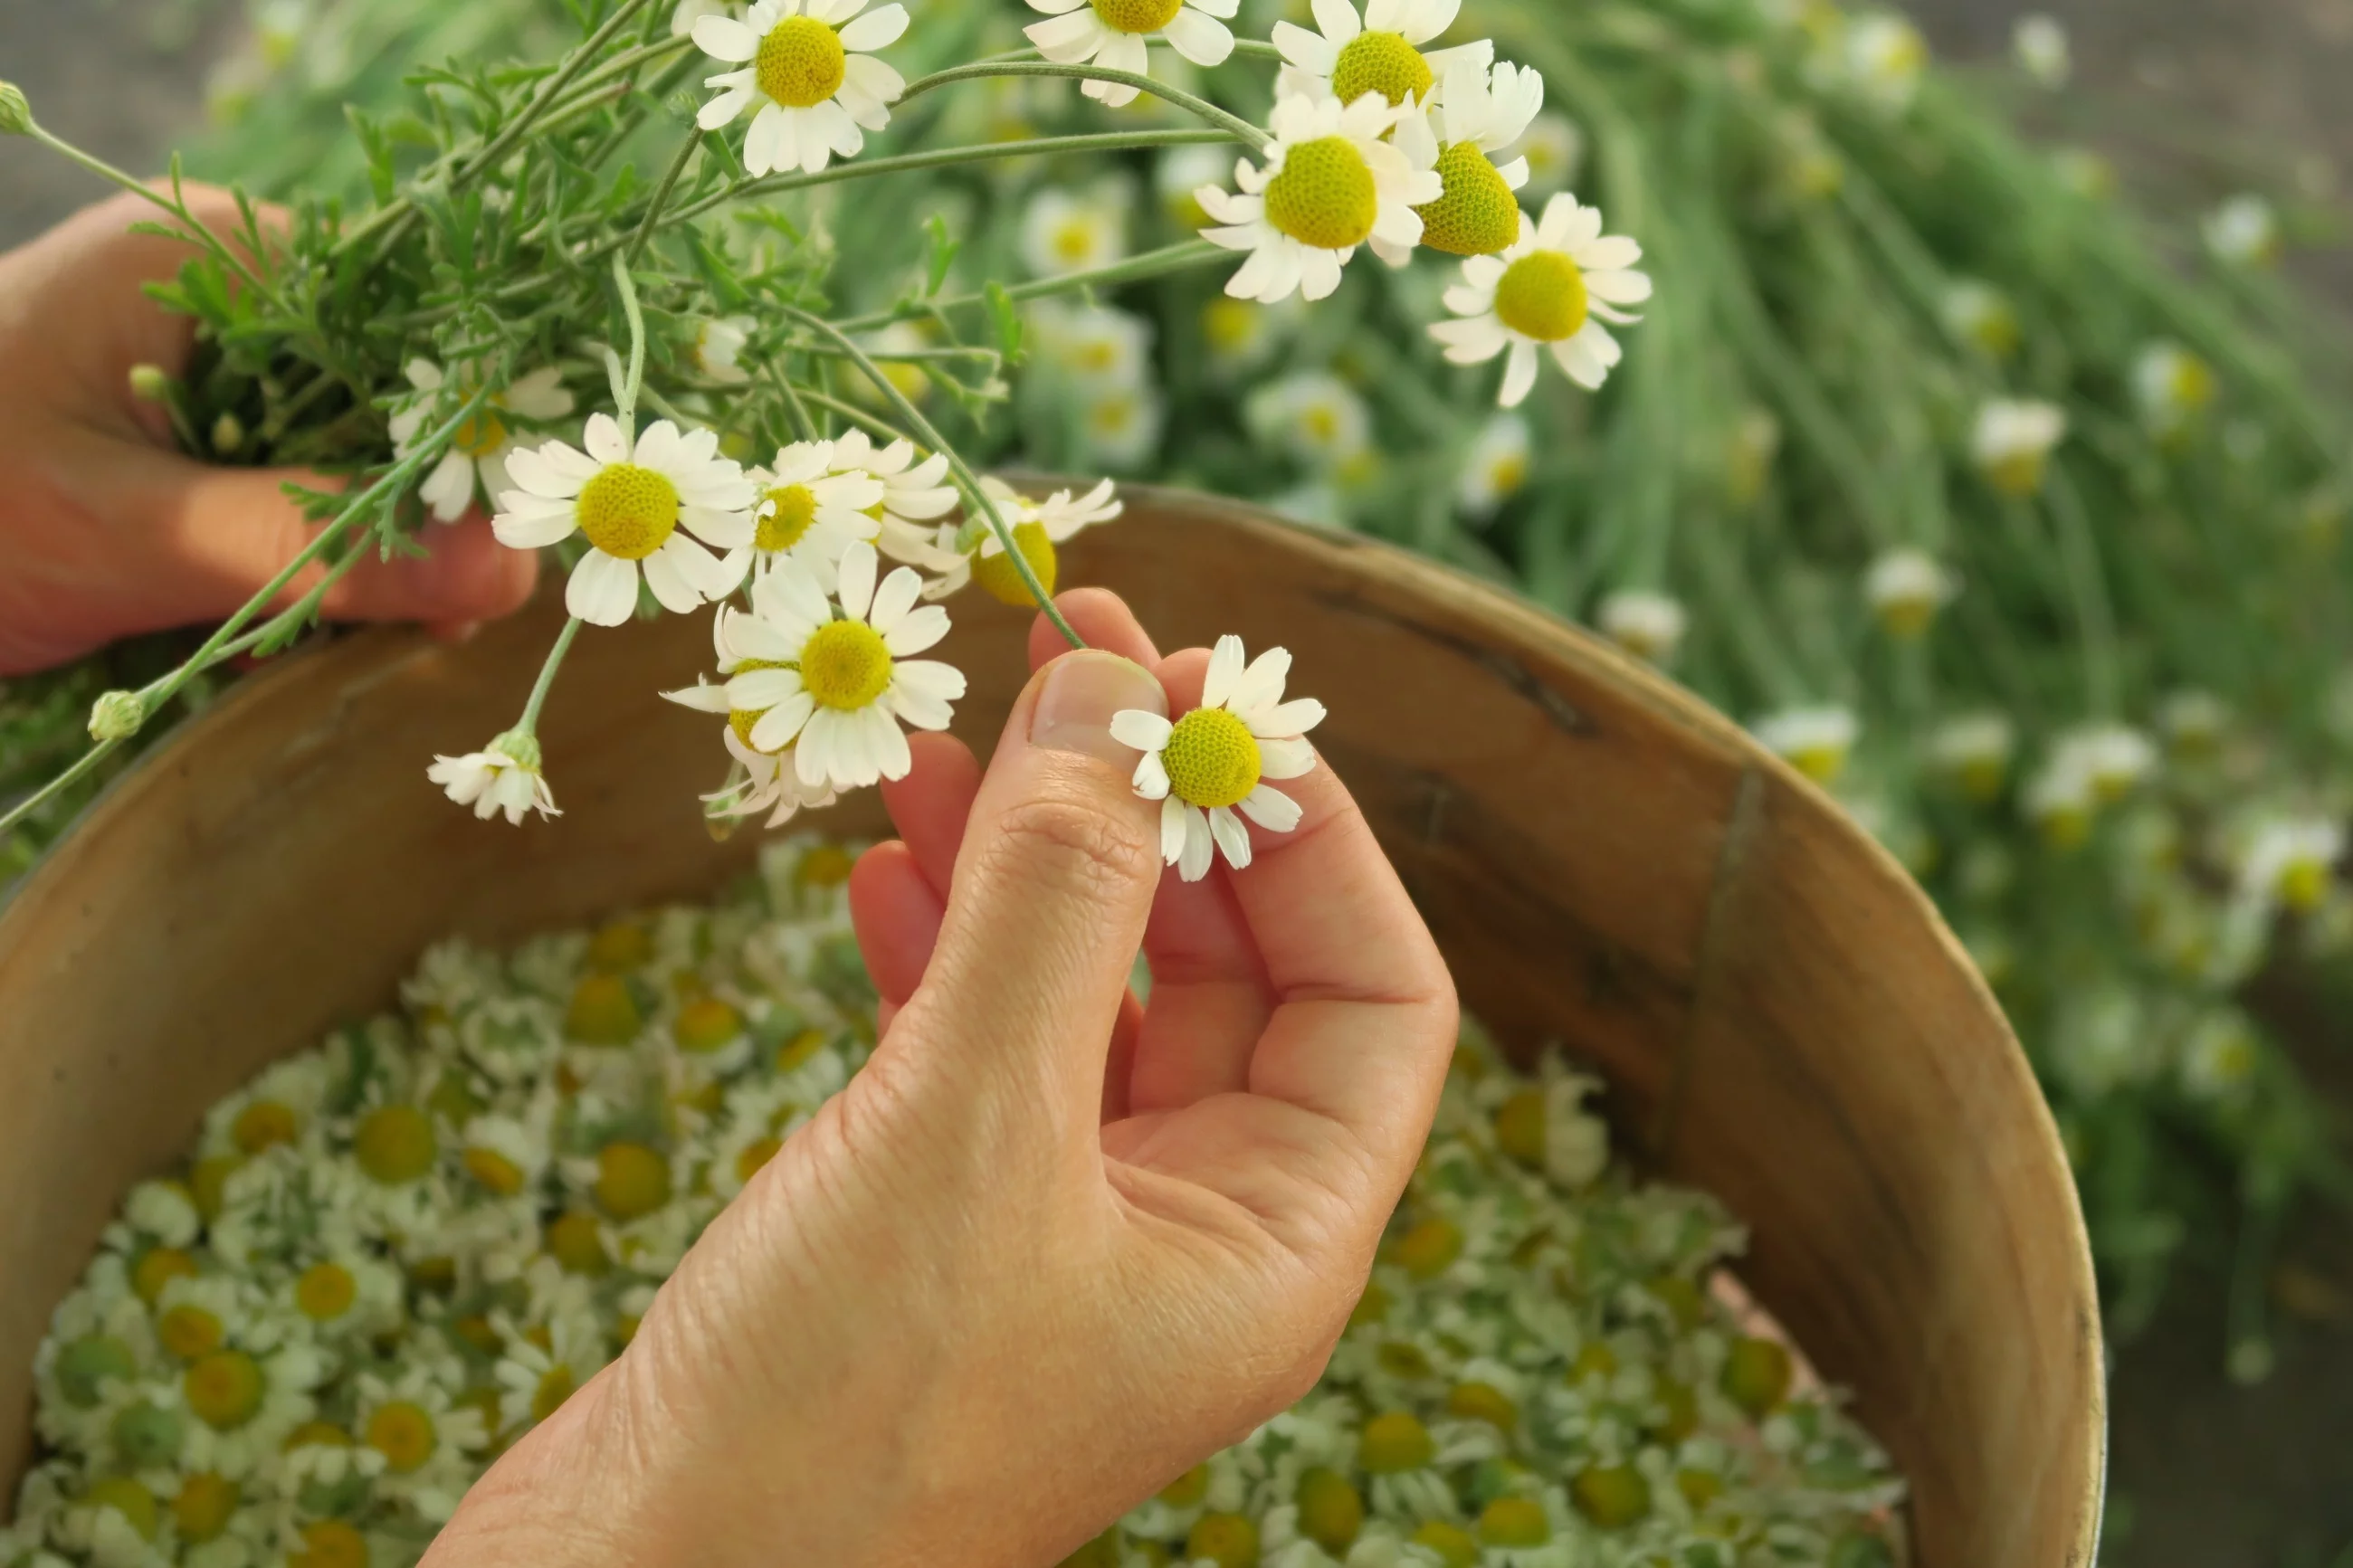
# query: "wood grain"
1782 1016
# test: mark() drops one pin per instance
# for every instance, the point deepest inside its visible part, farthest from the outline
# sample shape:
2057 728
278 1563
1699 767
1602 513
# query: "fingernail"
1082 691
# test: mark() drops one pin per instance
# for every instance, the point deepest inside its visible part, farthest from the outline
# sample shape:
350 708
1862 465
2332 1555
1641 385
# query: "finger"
896 913
1103 619
1046 910
231 530
932 804
1211 996
1119 1061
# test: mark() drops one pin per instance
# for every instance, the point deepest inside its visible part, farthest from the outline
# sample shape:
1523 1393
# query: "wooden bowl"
1782 1016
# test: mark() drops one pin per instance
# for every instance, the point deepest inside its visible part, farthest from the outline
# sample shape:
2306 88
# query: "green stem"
529 722
81 768
625 395
2088 589
1234 125
661 196
873 423
797 411
969 481
1150 264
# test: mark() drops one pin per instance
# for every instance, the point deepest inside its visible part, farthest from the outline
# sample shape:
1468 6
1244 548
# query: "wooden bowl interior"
1782 1016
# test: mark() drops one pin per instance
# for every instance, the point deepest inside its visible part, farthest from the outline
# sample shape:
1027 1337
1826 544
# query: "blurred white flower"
2243 232
2012 441
1905 588
1649 626
2039 45
1066 230
1815 741
1495 466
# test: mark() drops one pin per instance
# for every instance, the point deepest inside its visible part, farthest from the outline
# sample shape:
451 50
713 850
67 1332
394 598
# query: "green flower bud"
520 747
16 114
149 384
117 716
228 434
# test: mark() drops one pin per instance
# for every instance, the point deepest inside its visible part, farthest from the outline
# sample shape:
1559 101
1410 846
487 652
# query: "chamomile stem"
795 409
661 195
1150 264
529 722
626 395
81 768
1240 130
966 480
871 424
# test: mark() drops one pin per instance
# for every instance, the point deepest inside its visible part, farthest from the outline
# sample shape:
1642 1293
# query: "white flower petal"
723 38
1271 809
603 590
918 629
1141 728
856 589
1151 776
1225 671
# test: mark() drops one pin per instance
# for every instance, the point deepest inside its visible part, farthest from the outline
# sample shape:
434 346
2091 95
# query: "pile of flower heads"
389 1257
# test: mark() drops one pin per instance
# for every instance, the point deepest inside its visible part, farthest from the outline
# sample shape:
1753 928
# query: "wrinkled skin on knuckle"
1068 845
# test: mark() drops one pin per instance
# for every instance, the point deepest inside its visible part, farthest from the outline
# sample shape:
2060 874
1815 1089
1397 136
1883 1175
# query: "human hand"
1051 1247
106 529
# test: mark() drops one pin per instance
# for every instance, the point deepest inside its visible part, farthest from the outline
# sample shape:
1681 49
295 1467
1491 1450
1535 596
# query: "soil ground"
2205 1474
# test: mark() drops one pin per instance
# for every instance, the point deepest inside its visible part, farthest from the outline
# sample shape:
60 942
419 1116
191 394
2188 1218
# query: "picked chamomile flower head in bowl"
502 1012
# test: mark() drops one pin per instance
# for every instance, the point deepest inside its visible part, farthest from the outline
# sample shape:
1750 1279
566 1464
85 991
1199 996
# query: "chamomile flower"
1113 34
1981 317
1884 56
1314 417
1815 741
1554 150
810 67
1495 468
717 344
504 776
914 498
2219 1055
477 457
2039 44
1040 529
2171 386
1065 230
836 687
1349 56
541 1366
771 783
1329 183
812 504
1905 588
2012 442
1974 750
1482 113
1093 345
2243 232
245 1403
2292 861
1646 624
429 1444
636 502
2114 759
1551 289
1216 759
1119 426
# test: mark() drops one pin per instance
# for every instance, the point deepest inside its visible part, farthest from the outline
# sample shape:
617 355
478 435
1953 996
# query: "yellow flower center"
1228 1540
1483 1401
1371 1307
395 1144
189 1332
706 1025
2303 884
1427 1249
1212 759
603 1012
493 1170
1542 296
225 1389
1520 1127
1136 15
801 62
754 1156
1324 196
481 435
329 1544
1611 1496
126 1497
574 1241
795 1052
1455 1546
1515 1522
1700 1488
632 1181
158 1268
743 720
556 1386
1402 1358
477 1331
85 1367
403 1431
1594 1359
2016 474
998 575
844 665
317 1435
1187 1490
1231 325
263 1124
1757 1375
1075 240
325 1291
1330 1512
826 866
2192 384
628 511
1394 1441
202 1507
623 945
791 510
1383 63
1678 1416
1476 214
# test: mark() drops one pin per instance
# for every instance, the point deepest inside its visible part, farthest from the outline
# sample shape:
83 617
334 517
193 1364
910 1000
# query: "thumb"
235 529
1045 915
